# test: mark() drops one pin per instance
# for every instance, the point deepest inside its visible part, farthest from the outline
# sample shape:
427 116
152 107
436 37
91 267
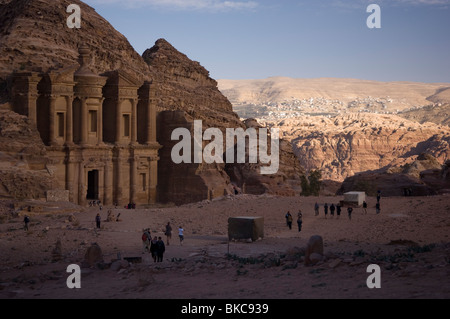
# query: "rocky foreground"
408 240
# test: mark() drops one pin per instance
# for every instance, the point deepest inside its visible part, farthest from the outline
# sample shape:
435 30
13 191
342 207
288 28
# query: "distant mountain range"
283 97
346 126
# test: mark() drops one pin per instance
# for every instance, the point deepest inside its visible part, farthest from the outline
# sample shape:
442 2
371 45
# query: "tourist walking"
181 235
378 208
146 237
325 209
26 221
349 211
98 220
168 233
332 209
153 248
316 209
289 220
378 196
160 249
338 210
299 220
365 207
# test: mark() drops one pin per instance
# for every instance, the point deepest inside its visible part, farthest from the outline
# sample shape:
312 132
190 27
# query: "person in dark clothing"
378 196
316 209
26 221
338 210
332 209
160 249
349 211
325 209
299 220
153 248
289 220
365 207
98 220
168 233
378 208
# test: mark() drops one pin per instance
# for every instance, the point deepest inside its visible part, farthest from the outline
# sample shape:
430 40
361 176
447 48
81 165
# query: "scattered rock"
334 263
314 246
119 264
314 258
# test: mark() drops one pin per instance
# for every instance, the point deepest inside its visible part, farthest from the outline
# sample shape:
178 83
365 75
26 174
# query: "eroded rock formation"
345 145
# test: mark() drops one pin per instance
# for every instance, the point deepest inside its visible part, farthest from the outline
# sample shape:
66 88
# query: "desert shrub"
311 184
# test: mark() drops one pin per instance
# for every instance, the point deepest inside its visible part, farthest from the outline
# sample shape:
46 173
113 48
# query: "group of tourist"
338 208
156 245
332 209
289 220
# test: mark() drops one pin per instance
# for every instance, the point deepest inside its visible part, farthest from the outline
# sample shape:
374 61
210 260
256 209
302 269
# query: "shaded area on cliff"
423 177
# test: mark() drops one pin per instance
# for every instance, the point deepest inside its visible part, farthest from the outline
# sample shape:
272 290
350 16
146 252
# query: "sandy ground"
409 240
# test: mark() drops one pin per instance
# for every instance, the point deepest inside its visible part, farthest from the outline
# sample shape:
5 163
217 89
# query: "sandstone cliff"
23 159
437 113
286 182
424 176
183 84
344 145
185 92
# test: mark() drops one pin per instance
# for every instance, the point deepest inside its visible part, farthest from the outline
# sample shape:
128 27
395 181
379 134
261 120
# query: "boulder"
314 250
119 264
93 255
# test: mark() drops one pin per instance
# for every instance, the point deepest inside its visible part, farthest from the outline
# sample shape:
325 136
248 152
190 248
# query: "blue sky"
252 39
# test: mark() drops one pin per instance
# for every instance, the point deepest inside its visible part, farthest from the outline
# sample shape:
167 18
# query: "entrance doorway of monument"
92 191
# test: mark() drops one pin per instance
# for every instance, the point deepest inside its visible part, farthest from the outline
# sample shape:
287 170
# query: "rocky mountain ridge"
345 145
281 97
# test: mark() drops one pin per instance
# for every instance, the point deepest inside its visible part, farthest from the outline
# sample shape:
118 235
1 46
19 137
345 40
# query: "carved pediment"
122 78
63 75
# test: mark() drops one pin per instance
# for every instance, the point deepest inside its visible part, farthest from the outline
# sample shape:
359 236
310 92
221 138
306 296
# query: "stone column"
24 94
84 121
52 120
70 172
107 198
32 106
153 180
69 120
151 122
133 177
82 191
118 121
134 121
118 181
100 122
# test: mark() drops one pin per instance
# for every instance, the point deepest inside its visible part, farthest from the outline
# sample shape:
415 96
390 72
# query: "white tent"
355 198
